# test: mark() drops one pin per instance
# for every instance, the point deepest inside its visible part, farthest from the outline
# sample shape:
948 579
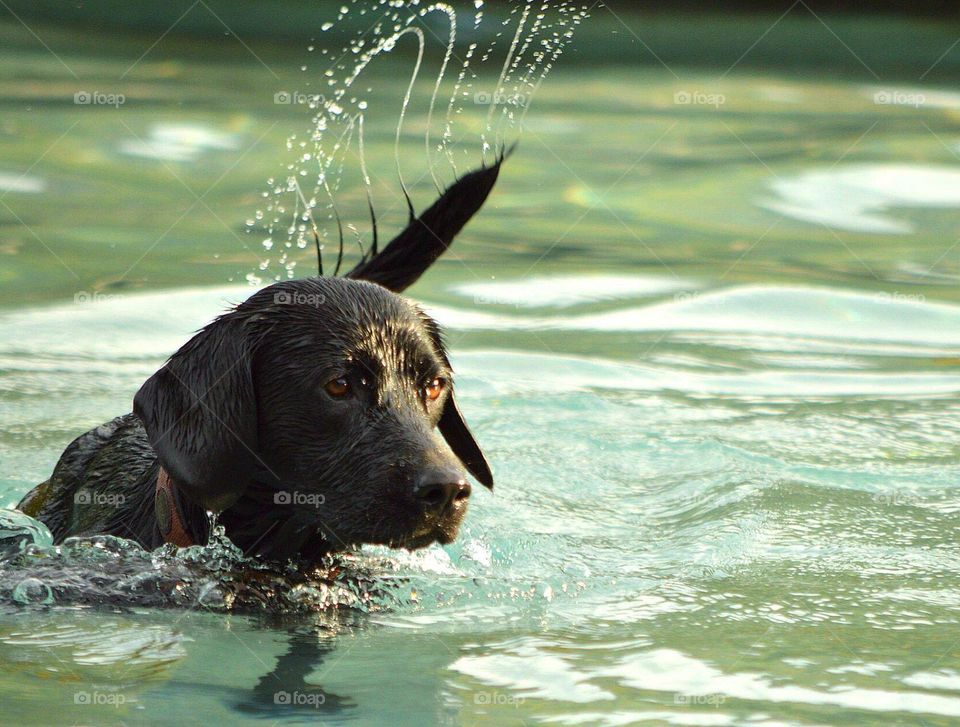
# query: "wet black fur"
241 420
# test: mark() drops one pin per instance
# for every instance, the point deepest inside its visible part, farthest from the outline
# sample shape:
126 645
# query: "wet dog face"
316 412
350 389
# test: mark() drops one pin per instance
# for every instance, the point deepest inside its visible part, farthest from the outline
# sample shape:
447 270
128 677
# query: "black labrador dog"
304 418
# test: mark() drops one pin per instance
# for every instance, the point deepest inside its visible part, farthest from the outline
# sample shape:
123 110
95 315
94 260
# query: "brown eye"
338 387
433 389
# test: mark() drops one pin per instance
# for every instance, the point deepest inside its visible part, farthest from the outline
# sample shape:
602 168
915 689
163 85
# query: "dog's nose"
438 490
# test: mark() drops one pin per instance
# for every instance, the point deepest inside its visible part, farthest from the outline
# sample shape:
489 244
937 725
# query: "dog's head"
317 402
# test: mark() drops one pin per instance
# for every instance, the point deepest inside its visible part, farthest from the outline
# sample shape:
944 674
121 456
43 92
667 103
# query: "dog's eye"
337 388
433 389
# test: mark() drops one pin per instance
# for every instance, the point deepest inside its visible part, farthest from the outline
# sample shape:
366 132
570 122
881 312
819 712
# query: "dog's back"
102 484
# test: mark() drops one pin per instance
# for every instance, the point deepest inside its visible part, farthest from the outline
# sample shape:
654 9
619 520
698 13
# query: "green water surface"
707 329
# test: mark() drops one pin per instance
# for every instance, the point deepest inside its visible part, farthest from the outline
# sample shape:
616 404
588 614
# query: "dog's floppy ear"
199 412
425 238
458 435
451 424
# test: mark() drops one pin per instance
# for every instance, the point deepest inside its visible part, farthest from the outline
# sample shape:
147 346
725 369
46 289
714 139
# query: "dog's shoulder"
94 480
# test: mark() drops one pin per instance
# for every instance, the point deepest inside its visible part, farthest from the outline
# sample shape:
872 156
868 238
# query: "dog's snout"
439 490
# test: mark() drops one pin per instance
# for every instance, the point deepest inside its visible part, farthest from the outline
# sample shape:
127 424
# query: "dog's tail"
425 238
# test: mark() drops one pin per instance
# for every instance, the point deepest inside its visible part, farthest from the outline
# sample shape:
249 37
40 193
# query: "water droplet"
32 590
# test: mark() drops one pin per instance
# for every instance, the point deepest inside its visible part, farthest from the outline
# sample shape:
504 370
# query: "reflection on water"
854 198
711 350
570 290
177 143
781 311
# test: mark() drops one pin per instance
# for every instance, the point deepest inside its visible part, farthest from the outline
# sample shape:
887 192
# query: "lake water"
707 329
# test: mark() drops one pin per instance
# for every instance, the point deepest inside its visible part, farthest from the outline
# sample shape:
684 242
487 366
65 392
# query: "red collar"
169 517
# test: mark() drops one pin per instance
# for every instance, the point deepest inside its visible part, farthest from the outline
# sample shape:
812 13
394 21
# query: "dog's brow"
406 356
366 367
363 362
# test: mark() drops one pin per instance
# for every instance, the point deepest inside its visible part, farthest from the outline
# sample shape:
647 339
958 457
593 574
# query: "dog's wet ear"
199 412
425 238
461 440
451 424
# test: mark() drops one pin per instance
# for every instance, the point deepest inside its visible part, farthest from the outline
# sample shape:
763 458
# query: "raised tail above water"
425 238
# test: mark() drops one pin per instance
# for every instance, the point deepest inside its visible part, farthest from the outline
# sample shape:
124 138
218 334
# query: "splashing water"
106 570
330 166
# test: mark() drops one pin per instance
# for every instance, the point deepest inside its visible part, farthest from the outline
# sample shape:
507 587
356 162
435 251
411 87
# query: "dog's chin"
416 542
408 531
426 534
